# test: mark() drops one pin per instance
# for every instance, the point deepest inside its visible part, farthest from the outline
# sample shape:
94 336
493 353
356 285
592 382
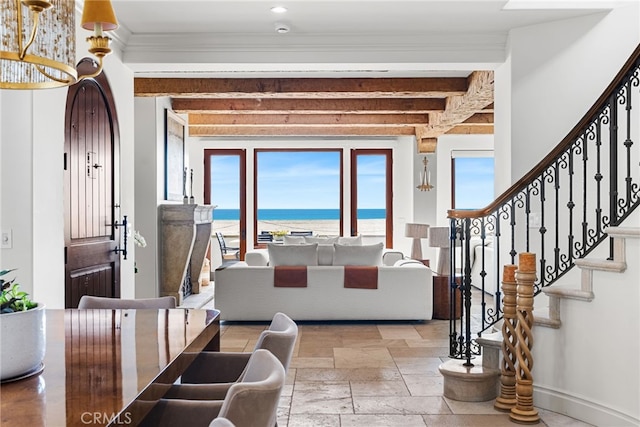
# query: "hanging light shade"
425 177
49 59
37 41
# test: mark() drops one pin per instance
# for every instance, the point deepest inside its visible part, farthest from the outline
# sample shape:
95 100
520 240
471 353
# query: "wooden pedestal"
442 298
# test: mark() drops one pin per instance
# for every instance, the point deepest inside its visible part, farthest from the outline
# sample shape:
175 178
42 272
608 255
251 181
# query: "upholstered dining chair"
88 302
211 374
221 422
250 402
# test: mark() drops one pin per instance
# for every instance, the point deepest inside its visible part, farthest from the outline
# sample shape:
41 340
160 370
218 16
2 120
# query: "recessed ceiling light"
278 9
282 28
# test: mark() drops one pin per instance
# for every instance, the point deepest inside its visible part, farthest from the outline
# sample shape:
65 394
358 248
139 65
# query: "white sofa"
476 249
404 292
247 291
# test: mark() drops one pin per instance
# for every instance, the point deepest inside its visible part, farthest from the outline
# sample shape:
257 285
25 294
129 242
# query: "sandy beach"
366 227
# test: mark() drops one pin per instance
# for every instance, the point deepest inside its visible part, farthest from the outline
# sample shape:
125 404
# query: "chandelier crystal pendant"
425 177
37 41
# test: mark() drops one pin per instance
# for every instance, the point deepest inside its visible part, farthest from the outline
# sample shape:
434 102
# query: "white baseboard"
580 408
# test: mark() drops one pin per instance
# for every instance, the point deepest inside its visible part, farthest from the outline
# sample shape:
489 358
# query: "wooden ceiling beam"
308 106
431 87
480 119
461 108
470 130
216 131
308 119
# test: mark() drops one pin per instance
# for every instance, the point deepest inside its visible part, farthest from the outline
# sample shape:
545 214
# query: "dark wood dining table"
107 367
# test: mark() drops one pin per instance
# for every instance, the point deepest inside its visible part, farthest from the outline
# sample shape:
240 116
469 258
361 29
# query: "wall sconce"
48 59
425 177
417 232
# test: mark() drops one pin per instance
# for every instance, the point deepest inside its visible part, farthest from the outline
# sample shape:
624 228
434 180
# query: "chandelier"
425 177
37 41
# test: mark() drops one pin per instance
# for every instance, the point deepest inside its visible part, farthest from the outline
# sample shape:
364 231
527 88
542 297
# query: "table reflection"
98 362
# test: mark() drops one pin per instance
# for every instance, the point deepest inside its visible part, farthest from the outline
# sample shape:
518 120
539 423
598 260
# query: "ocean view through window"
297 191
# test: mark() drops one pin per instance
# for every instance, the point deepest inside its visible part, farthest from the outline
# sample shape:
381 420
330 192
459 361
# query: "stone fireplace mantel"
185 234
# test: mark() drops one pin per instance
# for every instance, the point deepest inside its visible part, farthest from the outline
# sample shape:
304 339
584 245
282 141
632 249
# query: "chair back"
89 302
280 338
301 233
254 400
221 422
221 242
262 238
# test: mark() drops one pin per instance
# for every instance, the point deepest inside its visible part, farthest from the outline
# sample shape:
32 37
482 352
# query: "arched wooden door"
91 180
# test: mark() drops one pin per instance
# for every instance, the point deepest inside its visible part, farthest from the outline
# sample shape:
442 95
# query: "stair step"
601 265
541 319
628 232
568 293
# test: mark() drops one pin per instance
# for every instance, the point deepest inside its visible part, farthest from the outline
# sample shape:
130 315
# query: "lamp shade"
98 12
50 61
440 237
417 231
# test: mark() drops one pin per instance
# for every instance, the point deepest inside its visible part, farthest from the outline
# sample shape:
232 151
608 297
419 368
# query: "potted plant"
22 332
278 234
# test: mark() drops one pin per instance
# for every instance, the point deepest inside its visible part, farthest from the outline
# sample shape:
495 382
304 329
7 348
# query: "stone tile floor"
385 374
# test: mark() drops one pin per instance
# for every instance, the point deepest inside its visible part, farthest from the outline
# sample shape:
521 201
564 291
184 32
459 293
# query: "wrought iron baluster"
543 230
570 206
613 167
598 179
628 143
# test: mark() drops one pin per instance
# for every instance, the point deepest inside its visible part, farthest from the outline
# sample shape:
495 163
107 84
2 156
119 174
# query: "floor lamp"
417 232
440 238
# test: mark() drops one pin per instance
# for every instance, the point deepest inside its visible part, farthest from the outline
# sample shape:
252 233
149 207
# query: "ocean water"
297 214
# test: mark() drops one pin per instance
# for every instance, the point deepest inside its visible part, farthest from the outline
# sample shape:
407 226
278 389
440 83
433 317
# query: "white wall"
557 71
149 189
121 81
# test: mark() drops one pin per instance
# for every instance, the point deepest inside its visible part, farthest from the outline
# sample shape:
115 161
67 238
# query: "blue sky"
298 180
311 180
474 182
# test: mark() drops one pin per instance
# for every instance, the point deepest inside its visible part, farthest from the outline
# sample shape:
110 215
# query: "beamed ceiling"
348 68
426 107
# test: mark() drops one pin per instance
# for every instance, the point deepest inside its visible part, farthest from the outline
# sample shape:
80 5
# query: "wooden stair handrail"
556 152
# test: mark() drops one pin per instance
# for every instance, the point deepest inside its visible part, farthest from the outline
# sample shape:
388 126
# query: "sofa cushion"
325 254
321 240
357 255
294 240
350 240
293 254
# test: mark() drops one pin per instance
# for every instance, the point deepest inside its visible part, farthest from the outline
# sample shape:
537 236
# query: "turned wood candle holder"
507 398
524 412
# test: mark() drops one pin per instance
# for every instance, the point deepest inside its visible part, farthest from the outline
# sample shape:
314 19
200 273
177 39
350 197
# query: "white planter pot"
22 335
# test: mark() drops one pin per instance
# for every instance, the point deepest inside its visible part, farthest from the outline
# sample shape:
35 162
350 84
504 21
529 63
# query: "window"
472 173
224 187
371 189
298 191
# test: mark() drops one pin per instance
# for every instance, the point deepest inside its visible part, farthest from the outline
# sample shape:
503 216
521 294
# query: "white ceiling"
397 38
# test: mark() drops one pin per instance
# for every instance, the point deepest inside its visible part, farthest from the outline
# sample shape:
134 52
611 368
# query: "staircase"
551 316
578 378
576 208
